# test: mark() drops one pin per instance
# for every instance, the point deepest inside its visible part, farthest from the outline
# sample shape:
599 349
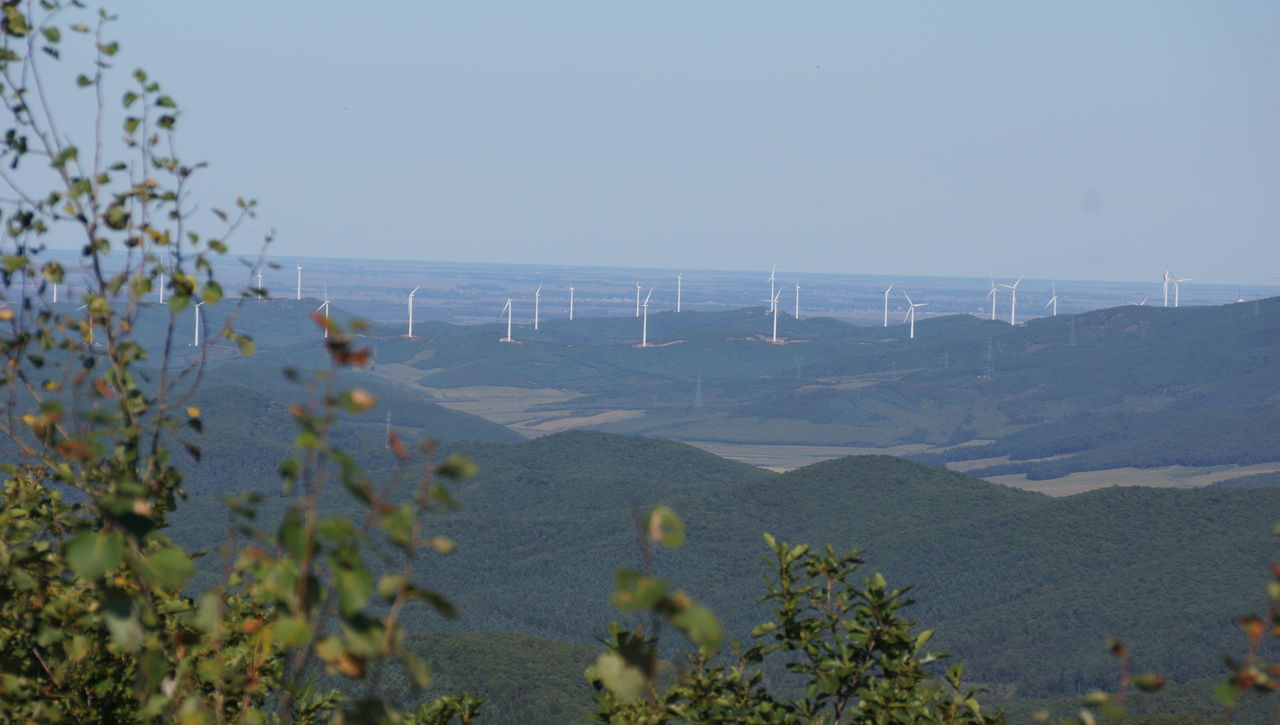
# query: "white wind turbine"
886 303
55 293
197 307
1013 309
1143 302
644 335
299 293
537 305
773 276
259 282
1177 287
637 298
411 294
1053 300
679 284
797 300
993 294
570 302
508 309
911 314
774 307
325 306
162 269
1167 278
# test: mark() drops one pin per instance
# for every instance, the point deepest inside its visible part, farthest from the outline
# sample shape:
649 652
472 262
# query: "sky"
1057 140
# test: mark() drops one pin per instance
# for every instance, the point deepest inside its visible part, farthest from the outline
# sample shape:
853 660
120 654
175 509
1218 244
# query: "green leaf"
165 102
211 293
417 669
169 568
354 587
458 468
389 586
122 619
635 592
131 124
292 631
128 100
665 527
1226 693
623 680
83 80
702 628
51 34
93 554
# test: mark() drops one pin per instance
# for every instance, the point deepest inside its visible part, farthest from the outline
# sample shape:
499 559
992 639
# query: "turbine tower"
570 302
299 295
637 298
1013 309
411 294
886 303
259 282
1177 287
55 293
644 334
679 284
911 314
1053 300
197 307
508 309
797 300
775 315
773 276
1167 278
993 294
537 305
162 268
325 306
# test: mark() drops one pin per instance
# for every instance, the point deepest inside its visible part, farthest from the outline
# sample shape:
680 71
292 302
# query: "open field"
1163 477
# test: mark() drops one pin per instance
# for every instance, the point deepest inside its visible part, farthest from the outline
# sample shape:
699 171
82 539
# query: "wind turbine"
1167 278
299 295
775 315
1177 286
773 276
637 298
259 282
644 335
325 306
1053 300
570 302
537 305
679 284
797 300
162 268
1013 309
197 307
508 309
886 303
993 294
1143 302
55 293
911 314
411 294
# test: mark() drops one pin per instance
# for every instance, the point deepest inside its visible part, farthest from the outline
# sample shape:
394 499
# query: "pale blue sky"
1070 140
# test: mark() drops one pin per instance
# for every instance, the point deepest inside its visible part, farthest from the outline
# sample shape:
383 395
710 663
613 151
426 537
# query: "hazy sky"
1069 140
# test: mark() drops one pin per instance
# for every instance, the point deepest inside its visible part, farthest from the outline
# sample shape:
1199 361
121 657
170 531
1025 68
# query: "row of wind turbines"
642 303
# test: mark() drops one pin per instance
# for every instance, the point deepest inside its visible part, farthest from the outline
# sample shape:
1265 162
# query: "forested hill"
1005 575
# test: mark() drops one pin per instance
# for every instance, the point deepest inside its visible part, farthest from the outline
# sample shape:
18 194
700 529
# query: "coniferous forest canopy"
335 522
